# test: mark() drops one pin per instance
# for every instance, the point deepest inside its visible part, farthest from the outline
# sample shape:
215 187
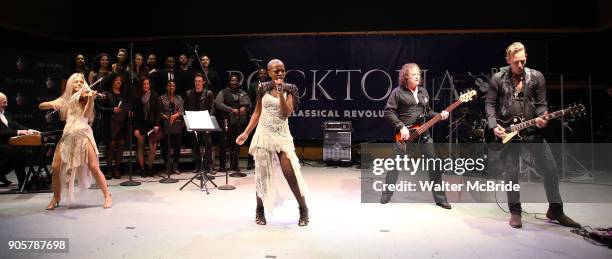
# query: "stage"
157 220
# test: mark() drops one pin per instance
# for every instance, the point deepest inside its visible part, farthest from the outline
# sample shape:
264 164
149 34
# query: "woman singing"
76 155
272 145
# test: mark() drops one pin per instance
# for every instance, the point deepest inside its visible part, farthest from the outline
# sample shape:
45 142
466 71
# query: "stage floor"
156 220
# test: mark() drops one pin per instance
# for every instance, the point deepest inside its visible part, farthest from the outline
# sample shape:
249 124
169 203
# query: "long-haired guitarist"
518 91
408 105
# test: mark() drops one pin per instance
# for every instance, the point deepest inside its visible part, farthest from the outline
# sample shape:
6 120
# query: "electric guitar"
416 130
516 124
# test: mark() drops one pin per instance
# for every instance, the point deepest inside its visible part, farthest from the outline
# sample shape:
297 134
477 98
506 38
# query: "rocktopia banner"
349 78
340 78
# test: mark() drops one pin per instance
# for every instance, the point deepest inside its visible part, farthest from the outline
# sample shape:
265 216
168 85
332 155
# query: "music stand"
201 121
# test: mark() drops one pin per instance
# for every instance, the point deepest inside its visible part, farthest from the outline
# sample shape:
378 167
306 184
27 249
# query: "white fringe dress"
73 147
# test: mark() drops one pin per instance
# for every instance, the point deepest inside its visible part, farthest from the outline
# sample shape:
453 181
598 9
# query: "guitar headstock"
576 110
467 96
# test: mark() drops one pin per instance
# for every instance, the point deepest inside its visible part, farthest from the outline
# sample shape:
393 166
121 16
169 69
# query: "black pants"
426 147
544 164
13 158
203 142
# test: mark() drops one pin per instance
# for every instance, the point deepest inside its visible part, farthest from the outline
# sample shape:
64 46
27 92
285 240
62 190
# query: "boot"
444 204
260 217
555 213
440 198
385 197
303 217
515 221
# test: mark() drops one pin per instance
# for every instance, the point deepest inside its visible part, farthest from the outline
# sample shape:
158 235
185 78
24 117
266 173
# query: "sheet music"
198 120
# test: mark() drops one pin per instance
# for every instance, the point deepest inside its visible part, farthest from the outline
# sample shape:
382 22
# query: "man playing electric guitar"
519 91
407 105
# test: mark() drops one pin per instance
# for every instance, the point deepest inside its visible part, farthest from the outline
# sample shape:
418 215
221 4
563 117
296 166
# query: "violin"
84 96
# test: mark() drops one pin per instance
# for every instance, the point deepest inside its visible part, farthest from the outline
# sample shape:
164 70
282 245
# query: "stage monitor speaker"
337 141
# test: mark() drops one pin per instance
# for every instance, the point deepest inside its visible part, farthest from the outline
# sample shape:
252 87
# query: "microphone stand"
227 187
453 126
130 101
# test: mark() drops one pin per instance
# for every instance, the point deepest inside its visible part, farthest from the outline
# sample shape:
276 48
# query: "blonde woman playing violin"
76 155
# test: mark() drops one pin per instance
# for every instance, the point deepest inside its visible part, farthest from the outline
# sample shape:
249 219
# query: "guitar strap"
526 80
424 101
525 73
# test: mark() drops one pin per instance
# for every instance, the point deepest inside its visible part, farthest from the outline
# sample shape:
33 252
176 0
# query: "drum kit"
471 125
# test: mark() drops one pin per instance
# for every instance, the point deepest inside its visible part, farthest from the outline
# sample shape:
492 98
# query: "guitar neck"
532 122
437 118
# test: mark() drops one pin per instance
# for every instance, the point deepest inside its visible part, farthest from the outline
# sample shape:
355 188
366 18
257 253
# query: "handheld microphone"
279 88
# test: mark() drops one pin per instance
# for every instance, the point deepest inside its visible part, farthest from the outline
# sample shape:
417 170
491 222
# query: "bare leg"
295 188
291 179
94 168
56 182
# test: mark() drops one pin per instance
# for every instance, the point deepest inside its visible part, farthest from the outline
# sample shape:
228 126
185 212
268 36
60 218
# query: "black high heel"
303 217
260 217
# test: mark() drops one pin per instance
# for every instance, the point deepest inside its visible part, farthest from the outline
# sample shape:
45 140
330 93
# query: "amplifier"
337 141
338 126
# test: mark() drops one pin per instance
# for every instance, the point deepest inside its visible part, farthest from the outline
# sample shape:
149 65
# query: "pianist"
11 158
